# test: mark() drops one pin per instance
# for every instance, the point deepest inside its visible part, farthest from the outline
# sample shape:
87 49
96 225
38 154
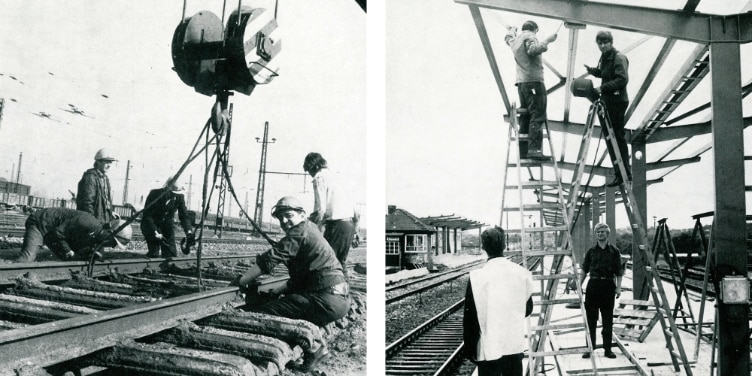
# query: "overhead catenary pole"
127 177
18 173
258 214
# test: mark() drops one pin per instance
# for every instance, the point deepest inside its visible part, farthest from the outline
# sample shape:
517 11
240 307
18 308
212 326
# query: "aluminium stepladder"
554 220
654 283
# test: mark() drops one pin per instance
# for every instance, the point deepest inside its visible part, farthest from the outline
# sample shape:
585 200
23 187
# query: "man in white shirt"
332 209
498 298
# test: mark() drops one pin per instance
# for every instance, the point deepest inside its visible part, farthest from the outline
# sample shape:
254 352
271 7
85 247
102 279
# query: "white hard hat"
104 155
123 236
287 203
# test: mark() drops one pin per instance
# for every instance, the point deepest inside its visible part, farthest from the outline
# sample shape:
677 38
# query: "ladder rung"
568 351
558 301
538 253
580 325
552 276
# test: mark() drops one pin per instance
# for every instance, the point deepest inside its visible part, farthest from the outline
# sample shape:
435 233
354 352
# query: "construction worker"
317 290
158 216
527 52
612 69
332 209
69 234
604 264
495 312
94 195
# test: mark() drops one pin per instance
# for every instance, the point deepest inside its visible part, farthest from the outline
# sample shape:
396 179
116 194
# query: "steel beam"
486 42
51 343
695 27
729 236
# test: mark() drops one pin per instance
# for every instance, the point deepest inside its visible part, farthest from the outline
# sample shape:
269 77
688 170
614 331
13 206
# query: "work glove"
191 238
590 70
511 32
158 235
115 215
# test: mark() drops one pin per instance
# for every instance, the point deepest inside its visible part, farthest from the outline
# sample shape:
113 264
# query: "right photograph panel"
565 188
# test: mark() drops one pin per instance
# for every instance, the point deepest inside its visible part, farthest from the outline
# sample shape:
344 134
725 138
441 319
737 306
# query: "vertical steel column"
640 191
611 212
259 213
729 235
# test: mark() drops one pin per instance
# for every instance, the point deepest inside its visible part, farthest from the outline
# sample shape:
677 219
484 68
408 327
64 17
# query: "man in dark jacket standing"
69 234
613 69
94 195
157 220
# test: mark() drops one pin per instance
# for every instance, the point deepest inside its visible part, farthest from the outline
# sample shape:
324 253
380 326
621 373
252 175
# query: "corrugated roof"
402 220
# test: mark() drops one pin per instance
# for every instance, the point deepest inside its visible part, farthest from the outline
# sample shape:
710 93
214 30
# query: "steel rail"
57 271
55 342
433 276
406 294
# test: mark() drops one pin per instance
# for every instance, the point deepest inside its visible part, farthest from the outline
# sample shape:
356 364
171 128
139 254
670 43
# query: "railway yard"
136 315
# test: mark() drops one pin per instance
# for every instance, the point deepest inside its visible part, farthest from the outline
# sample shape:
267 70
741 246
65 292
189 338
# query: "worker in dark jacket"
317 290
94 195
158 216
604 264
69 234
613 70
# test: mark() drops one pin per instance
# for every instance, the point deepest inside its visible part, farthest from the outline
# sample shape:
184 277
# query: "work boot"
609 354
535 154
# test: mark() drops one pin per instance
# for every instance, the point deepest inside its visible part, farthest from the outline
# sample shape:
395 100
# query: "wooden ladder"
670 332
555 220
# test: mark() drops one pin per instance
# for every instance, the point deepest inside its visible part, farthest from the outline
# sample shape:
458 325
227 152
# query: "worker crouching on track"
317 290
70 234
157 219
498 298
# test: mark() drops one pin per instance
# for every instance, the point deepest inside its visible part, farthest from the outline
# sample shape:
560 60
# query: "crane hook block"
213 59
251 46
196 50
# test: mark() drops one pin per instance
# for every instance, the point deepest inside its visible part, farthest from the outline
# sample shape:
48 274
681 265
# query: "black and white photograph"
183 187
566 187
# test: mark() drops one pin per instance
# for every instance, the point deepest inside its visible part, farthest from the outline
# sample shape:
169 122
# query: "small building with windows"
408 240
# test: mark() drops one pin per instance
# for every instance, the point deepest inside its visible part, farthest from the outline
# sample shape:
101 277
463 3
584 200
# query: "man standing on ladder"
527 52
603 263
613 69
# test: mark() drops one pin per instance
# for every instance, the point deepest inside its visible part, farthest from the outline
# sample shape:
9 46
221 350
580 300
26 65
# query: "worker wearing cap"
158 216
604 264
531 87
317 290
94 195
613 70
332 209
69 234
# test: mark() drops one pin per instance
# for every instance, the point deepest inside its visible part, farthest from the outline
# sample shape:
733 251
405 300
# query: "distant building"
11 187
408 240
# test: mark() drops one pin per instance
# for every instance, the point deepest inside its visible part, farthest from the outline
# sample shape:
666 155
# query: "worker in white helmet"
94 194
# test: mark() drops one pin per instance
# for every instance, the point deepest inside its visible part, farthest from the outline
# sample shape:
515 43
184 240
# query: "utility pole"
127 177
18 173
258 214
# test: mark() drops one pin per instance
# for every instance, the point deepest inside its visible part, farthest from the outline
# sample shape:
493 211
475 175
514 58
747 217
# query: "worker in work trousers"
317 290
331 209
613 70
531 88
604 264
494 316
158 216
94 195
69 234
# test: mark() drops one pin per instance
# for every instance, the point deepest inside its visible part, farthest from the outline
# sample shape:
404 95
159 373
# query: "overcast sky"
57 53
445 135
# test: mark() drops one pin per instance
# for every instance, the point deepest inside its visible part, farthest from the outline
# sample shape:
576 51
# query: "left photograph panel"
183 187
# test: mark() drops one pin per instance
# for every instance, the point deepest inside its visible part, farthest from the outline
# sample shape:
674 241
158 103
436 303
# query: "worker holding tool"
493 322
604 264
612 69
528 52
317 290
94 195
332 209
69 234
158 216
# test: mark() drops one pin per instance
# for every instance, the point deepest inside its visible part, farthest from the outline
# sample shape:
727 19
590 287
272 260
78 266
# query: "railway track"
123 321
434 276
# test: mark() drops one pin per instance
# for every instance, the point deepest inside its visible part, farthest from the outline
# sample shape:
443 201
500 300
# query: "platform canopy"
452 222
